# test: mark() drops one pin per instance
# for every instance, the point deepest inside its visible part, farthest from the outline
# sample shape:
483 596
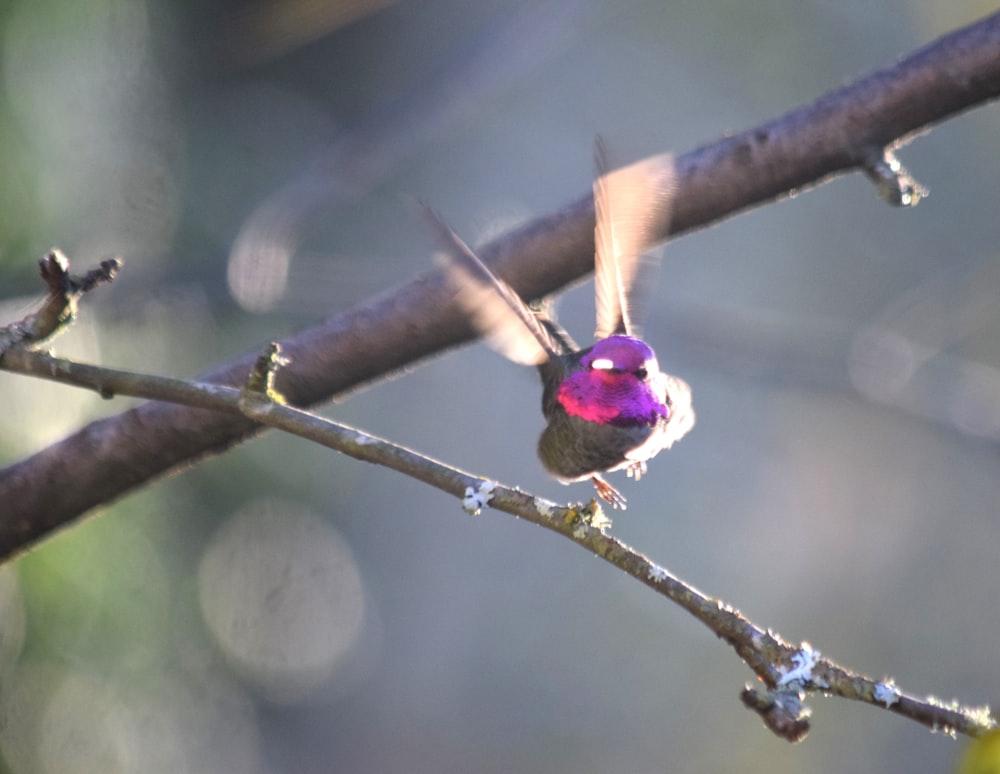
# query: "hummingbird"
607 407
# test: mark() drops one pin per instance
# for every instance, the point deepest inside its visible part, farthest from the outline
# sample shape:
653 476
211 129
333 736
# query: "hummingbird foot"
608 493
636 470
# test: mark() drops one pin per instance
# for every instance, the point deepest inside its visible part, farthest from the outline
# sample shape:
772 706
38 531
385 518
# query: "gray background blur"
284 609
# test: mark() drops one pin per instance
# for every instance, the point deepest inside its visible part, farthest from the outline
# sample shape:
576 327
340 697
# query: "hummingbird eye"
641 373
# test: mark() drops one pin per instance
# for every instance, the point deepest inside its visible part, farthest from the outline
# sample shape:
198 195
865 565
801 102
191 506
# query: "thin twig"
788 672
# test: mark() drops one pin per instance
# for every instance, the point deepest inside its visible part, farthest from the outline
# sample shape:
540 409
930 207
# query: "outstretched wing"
633 206
497 311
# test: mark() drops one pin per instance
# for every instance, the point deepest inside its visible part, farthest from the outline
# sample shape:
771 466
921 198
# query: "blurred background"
285 609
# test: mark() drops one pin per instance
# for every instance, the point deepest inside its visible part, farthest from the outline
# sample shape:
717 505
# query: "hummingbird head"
617 355
613 385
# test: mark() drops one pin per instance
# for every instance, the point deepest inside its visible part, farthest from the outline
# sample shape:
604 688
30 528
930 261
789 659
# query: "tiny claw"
608 493
636 470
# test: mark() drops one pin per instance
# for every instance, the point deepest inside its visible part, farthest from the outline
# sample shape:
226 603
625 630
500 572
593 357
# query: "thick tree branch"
789 673
844 130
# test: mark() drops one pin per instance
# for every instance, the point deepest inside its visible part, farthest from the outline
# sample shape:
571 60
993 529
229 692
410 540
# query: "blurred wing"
497 312
632 206
682 415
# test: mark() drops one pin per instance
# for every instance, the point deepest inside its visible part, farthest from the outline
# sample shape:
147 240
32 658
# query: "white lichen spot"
477 499
543 506
800 672
982 716
580 530
886 692
600 521
363 439
469 503
656 573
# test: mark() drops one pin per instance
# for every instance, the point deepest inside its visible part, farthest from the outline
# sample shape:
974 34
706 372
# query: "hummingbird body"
607 407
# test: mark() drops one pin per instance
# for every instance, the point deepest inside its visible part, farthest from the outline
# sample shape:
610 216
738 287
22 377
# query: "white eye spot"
602 364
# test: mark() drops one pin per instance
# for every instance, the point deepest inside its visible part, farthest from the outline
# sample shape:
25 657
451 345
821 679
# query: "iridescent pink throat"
616 395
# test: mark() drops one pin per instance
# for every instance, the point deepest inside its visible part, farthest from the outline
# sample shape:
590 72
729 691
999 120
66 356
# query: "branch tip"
54 269
782 712
261 378
893 182
103 273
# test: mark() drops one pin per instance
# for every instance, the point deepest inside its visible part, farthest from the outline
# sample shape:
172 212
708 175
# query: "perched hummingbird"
608 406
